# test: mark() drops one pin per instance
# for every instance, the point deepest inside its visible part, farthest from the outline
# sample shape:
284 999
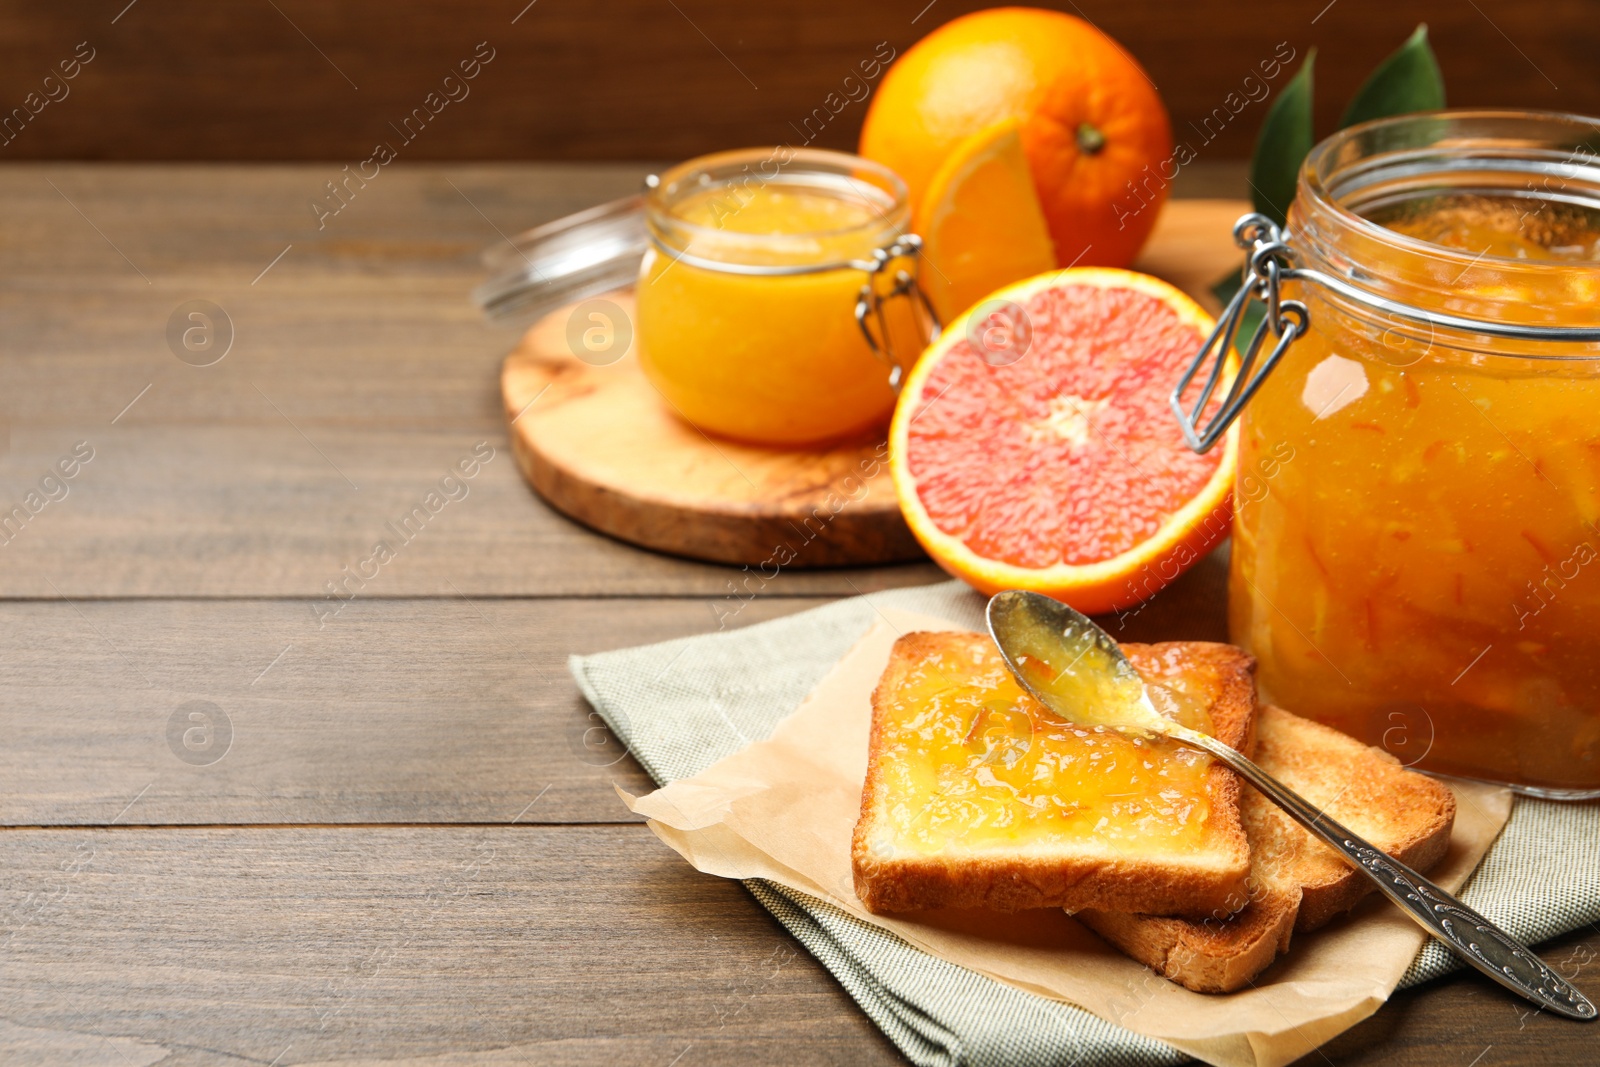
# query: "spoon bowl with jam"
1076 670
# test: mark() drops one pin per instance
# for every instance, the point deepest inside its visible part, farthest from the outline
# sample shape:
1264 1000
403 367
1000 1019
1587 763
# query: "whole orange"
1097 137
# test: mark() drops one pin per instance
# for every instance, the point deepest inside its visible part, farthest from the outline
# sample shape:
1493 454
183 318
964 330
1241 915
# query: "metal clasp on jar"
870 301
903 285
1270 264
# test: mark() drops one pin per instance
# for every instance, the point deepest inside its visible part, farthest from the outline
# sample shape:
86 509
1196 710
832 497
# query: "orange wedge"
1053 462
980 221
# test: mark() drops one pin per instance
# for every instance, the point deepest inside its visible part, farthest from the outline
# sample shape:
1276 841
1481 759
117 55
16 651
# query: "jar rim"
1324 162
789 165
1400 290
1539 161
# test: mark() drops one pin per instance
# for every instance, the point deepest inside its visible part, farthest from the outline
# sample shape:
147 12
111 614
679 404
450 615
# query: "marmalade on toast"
975 763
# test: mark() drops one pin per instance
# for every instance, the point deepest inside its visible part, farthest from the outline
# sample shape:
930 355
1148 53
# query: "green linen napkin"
682 705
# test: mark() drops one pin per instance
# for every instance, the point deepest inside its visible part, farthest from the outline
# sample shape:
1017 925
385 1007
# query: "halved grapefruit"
1033 447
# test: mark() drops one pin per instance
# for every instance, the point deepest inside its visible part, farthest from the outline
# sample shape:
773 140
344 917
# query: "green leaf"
1227 285
1282 145
1409 80
1254 310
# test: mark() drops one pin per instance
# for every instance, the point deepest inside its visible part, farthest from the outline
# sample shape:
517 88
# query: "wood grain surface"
322 724
600 444
445 947
446 710
185 80
360 373
410 851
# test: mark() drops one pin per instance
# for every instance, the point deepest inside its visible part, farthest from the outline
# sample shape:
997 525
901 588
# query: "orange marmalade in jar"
776 289
1416 549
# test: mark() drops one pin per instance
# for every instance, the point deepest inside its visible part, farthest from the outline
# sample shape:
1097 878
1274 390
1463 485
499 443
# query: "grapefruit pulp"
1050 460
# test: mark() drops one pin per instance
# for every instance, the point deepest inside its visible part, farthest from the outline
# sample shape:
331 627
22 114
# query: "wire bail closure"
1269 263
872 298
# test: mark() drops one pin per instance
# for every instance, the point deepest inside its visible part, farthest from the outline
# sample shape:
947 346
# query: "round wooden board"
600 444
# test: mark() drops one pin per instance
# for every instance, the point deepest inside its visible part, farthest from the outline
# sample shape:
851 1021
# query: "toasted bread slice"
977 797
1296 882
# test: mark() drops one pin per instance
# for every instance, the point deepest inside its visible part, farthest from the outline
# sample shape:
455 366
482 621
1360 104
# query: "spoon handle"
1466 933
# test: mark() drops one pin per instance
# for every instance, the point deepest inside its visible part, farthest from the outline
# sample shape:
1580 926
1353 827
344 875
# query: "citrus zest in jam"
1413 567
976 763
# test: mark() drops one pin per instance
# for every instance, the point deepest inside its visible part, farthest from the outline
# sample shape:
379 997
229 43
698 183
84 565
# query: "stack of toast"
976 796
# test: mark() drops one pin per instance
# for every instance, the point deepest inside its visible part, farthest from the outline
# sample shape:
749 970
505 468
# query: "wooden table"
409 850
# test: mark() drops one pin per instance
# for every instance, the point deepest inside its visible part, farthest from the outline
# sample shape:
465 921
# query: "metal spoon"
1075 669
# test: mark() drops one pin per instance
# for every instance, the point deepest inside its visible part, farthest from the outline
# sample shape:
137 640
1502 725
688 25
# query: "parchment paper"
783 809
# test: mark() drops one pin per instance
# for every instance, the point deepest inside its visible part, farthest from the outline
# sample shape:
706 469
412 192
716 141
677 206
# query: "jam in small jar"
768 272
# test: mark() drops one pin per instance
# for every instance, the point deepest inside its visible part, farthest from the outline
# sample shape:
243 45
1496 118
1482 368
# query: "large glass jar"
750 296
1415 558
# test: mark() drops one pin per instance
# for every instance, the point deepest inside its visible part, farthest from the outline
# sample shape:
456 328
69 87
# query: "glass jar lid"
573 258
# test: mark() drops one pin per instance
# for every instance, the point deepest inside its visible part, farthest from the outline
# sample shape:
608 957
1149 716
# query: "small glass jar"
766 307
1416 549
